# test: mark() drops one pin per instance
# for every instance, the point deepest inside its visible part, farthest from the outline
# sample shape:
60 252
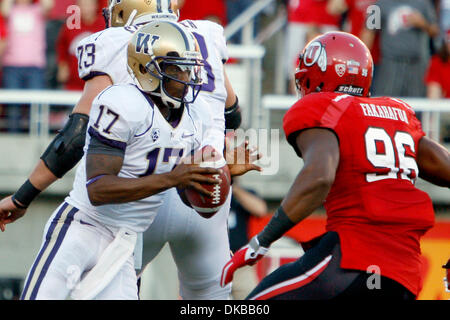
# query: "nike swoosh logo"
186 136
86 223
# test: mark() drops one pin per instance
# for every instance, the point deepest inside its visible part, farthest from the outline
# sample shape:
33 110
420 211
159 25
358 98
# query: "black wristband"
25 195
17 204
274 230
233 116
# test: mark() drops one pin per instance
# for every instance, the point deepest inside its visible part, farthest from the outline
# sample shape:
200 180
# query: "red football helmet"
335 62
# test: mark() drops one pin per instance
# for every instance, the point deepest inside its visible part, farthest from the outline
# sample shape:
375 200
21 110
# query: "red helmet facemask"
335 62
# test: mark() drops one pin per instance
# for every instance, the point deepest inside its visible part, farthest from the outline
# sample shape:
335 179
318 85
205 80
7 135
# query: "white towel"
109 264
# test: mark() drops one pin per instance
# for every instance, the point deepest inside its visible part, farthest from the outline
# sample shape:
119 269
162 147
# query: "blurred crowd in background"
410 42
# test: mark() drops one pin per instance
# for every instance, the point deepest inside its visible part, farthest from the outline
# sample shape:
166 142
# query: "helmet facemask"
182 73
107 13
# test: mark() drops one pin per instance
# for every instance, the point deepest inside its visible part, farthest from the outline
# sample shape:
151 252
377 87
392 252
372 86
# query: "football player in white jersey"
91 236
102 62
199 247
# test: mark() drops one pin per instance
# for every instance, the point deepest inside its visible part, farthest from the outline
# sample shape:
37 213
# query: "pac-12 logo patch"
340 69
155 134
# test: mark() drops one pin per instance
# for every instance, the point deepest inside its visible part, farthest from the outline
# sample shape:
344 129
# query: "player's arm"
240 159
105 187
61 155
233 116
110 133
434 162
320 152
66 149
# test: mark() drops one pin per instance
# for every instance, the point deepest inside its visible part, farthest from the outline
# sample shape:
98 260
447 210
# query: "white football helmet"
158 54
127 12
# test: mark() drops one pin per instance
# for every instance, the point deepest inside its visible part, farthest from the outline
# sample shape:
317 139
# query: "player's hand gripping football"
186 175
240 160
246 256
9 212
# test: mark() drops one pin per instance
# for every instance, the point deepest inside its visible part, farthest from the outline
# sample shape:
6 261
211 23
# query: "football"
209 206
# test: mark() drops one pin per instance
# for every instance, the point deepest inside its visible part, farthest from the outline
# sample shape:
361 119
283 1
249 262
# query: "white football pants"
199 246
72 244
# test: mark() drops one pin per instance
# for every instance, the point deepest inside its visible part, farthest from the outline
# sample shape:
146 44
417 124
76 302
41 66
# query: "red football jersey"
373 204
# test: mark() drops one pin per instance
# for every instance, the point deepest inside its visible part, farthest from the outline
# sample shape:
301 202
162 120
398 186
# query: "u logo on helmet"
315 53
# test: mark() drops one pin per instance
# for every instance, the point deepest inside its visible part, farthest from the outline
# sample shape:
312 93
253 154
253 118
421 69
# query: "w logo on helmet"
142 42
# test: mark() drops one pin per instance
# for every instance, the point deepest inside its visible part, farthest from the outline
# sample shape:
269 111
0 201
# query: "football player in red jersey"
362 157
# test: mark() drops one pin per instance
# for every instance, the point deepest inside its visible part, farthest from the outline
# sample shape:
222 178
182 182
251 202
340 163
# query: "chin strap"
106 15
131 18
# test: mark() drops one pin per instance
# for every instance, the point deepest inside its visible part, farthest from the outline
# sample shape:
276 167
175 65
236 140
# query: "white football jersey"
123 117
214 50
105 52
213 47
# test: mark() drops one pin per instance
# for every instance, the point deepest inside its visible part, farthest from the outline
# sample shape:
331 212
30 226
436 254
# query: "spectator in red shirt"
213 10
437 77
437 80
304 18
3 35
68 40
59 10
55 20
356 18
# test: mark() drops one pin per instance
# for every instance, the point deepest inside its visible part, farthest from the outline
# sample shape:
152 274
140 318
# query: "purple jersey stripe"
109 142
44 247
55 249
